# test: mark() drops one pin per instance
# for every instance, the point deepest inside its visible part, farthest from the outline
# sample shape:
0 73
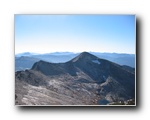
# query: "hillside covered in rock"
84 80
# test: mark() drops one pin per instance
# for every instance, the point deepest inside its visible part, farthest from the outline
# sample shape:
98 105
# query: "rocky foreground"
84 80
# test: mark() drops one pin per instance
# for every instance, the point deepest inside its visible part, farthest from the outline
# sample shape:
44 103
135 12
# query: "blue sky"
75 33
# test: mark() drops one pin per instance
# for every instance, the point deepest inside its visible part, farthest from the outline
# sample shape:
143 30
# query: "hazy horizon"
75 33
70 52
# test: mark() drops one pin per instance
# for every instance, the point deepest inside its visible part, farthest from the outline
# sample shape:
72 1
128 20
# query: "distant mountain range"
25 54
84 80
28 59
24 62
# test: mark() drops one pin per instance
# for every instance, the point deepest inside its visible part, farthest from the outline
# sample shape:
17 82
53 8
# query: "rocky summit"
84 80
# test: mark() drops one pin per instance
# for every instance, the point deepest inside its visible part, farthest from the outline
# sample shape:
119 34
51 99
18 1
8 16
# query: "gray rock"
84 80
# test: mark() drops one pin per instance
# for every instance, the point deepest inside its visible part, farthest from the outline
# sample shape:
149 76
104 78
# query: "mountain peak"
84 56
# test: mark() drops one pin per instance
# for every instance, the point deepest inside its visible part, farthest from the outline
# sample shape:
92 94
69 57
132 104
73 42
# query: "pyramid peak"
84 56
85 53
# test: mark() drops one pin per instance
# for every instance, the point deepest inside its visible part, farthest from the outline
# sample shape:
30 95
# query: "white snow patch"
27 68
96 61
